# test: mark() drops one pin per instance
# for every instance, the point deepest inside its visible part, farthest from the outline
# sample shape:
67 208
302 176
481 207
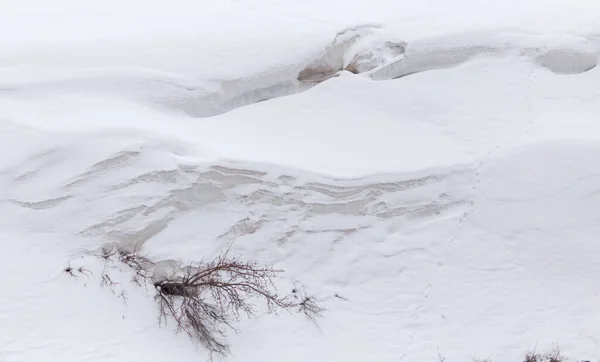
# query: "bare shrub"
84 271
481 359
553 355
81 270
307 305
140 264
533 357
69 270
210 297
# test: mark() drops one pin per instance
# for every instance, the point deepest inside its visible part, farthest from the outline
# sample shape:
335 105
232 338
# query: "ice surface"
428 169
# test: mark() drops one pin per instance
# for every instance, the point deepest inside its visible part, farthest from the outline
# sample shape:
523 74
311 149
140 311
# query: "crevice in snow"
357 49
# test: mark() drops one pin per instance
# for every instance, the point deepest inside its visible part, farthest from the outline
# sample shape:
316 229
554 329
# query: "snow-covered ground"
429 169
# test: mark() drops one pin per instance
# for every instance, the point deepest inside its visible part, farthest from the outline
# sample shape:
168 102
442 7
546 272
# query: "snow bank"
560 54
401 261
453 210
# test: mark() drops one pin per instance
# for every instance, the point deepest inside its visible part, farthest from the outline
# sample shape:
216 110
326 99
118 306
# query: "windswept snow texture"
430 170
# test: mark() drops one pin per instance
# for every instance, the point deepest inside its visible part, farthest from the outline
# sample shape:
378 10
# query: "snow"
442 200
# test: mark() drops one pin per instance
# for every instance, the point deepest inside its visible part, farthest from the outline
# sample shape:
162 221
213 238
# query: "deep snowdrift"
452 210
363 50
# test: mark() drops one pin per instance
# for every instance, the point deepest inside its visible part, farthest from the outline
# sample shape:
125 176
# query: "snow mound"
358 50
397 257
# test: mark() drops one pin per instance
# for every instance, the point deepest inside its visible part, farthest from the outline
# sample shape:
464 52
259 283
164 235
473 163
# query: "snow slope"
443 200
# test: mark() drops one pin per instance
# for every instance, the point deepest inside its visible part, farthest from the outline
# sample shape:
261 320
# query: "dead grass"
552 355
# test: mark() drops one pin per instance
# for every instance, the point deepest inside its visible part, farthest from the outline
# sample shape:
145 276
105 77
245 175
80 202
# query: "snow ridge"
361 50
